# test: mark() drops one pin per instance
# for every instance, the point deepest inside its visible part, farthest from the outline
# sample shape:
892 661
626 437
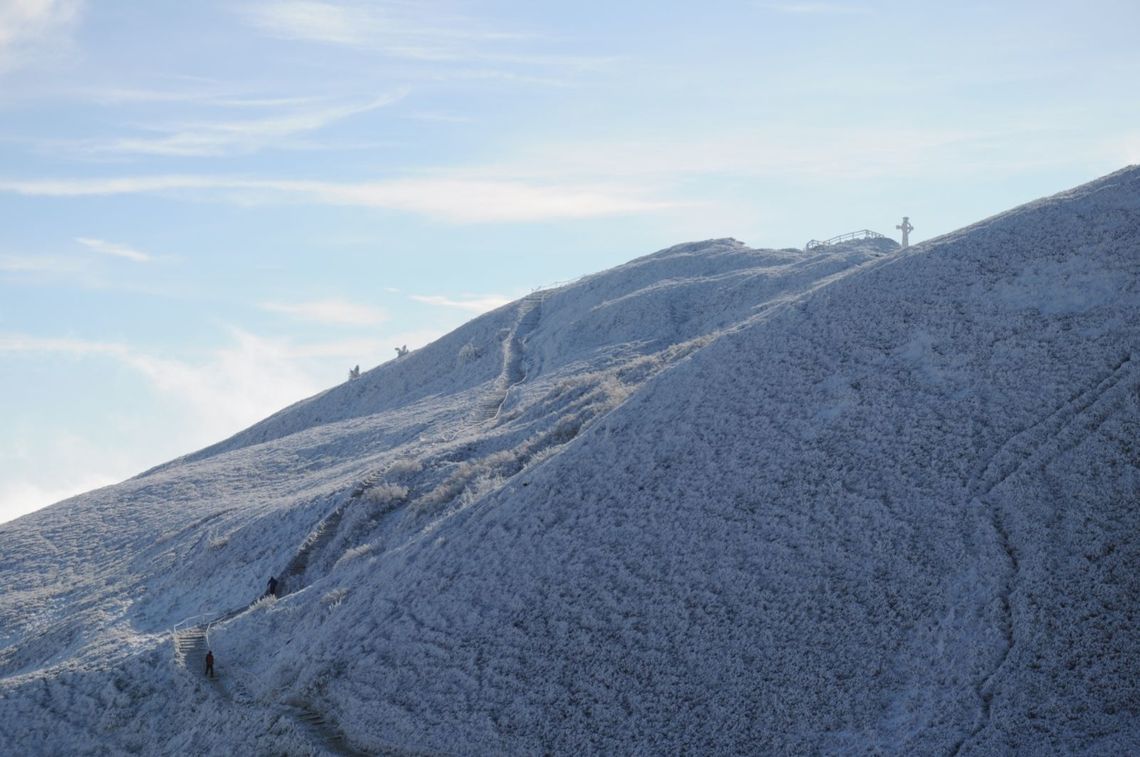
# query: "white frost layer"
717 500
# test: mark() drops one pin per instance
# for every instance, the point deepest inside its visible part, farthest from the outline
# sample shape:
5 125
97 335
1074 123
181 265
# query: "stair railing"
195 621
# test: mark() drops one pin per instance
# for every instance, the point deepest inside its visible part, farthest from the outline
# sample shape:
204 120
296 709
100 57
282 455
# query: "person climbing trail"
209 663
271 589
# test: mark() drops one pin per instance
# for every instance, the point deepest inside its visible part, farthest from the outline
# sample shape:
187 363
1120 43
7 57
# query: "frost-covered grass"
728 501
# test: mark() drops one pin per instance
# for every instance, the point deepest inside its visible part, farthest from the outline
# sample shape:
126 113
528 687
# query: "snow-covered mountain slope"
637 309
717 500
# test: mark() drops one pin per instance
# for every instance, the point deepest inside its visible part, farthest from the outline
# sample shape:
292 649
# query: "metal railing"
194 622
205 622
860 234
198 621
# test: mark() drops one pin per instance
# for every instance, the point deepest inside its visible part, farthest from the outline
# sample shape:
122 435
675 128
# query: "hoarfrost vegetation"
716 500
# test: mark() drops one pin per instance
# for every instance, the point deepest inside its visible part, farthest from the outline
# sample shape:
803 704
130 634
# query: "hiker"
209 663
271 590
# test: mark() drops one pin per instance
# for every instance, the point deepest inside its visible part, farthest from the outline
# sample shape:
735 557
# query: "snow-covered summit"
716 500
647 304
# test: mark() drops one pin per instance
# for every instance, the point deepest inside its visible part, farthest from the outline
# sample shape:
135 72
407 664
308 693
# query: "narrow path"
190 645
290 579
1036 446
1061 430
312 722
513 372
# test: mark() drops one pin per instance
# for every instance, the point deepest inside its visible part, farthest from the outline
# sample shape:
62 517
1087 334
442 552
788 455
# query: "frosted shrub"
618 390
403 467
334 597
355 552
386 493
505 457
469 353
480 488
449 489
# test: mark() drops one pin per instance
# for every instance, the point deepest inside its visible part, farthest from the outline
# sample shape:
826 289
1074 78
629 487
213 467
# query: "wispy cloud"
418 31
474 201
34 29
838 152
197 93
220 393
440 118
212 138
1129 147
593 179
115 185
73 347
334 312
472 303
115 250
462 200
27 494
818 9
241 342
208 398
422 31
50 264
315 21
228 389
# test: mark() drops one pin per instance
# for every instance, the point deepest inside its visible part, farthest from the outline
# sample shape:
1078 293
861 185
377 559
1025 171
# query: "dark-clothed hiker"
271 590
209 663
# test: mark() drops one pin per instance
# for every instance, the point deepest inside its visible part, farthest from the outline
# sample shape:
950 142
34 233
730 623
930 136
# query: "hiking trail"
513 371
1037 445
191 640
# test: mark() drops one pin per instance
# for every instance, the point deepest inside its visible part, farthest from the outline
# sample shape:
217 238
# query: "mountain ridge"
755 501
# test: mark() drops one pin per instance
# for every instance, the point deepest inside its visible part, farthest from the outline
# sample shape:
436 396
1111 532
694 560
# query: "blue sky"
210 210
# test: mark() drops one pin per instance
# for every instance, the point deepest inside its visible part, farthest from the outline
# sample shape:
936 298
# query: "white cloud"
829 152
336 312
344 349
447 118
115 186
313 21
232 386
1131 148
114 250
34 29
162 89
463 200
25 494
423 31
37 471
74 347
418 31
472 303
229 389
237 386
206 399
576 180
223 137
818 9
200 93
474 201
51 264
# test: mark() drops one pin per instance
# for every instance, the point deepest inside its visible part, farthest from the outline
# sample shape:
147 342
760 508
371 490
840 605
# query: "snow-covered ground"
716 500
